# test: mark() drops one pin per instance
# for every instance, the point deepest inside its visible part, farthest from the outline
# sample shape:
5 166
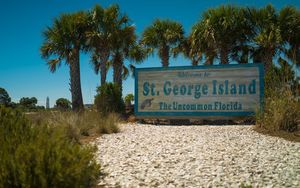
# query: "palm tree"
112 39
243 50
125 46
163 35
225 28
289 22
185 47
135 54
100 37
63 42
225 32
287 73
199 45
268 41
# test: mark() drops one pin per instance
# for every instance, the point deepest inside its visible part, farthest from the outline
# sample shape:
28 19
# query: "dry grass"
78 126
281 116
108 125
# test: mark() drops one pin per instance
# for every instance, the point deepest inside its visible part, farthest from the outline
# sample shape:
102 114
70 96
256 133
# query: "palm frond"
125 72
53 64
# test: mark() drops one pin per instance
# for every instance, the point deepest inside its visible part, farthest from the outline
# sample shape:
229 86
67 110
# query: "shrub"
42 156
280 78
281 106
129 98
109 124
109 99
281 112
63 104
4 97
28 103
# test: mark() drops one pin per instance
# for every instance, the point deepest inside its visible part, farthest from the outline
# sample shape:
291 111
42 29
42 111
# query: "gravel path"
197 156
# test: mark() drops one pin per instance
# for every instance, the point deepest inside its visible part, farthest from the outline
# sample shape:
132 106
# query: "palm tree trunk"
102 73
244 57
294 55
77 102
165 56
103 67
268 61
209 60
194 62
224 56
117 70
268 64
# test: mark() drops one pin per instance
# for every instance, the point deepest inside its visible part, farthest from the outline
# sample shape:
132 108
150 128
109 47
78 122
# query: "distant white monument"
47 103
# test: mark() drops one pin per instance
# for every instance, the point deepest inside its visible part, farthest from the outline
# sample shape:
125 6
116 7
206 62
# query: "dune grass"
78 126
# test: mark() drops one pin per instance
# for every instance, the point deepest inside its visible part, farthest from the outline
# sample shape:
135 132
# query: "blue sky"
23 73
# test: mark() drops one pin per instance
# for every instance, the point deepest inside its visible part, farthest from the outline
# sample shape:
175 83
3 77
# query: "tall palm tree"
63 42
186 49
268 40
243 50
112 40
224 28
136 54
163 35
289 22
199 45
125 46
100 38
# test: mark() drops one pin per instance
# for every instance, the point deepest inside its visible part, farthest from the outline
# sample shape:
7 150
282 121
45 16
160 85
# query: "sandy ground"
197 156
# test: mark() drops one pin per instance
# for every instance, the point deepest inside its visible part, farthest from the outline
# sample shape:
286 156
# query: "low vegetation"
109 99
25 103
63 104
78 126
281 113
129 98
281 117
39 154
45 148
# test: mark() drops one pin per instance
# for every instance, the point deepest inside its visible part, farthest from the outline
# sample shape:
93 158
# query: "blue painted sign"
192 91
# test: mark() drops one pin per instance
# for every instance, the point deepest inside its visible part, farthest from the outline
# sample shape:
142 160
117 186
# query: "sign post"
199 91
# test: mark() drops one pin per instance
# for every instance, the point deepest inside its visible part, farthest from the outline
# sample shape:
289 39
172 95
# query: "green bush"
42 156
109 99
63 104
281 112
28 103
129 98
4 97
281 106
279 78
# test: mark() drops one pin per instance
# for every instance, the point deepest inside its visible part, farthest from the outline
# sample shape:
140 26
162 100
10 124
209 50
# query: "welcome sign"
218 90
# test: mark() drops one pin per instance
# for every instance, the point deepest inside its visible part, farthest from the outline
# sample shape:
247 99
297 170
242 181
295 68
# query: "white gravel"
197 156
